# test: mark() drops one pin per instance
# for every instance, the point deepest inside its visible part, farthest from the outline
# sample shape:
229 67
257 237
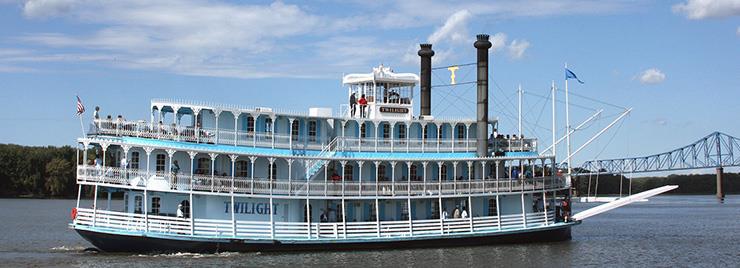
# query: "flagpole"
82 126
567 127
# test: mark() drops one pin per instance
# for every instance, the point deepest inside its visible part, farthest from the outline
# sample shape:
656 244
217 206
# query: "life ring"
73 214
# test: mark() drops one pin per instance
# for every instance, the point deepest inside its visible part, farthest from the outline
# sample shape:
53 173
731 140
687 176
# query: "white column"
343 163
411 222
377 214
192 177
467 137
470 213
252 159
148 151
213 170
360 163
172 178
236 128
217 113
197 129
290 131
271 179
233 158
290 175
408 171
393 135
498 213
344 216
393 178
439 176
274 123
377 133
272 220
424 183
377 164
524 212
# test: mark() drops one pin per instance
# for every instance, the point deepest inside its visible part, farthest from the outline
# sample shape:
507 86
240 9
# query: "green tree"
58 174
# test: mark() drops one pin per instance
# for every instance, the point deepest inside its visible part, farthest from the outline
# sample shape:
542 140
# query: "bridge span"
716 150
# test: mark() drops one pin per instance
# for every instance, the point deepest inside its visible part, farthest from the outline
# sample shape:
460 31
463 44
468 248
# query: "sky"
675 63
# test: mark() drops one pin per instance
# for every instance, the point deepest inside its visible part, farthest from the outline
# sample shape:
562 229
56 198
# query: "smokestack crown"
482 42
426 50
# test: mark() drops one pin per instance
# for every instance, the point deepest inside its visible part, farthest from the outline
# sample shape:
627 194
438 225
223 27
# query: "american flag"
80 106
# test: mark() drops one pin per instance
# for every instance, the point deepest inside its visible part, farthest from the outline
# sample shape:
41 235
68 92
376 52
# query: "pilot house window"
155 205
250 124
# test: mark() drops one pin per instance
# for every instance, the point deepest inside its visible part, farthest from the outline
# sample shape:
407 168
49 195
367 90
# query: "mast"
520 110
567 127
552 89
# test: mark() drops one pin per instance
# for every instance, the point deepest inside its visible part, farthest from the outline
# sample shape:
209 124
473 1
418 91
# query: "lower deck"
202 217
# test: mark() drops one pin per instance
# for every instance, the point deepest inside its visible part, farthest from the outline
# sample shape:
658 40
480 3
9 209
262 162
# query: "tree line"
48 171
37 171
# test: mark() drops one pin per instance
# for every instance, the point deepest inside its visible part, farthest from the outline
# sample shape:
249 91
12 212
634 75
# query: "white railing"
137 222
137 179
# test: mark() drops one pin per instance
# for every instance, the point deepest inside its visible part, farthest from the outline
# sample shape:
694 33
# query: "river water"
667 231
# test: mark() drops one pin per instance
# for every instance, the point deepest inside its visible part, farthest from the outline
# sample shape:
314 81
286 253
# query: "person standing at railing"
174 170
456 214
352 104
444 214
464 213
363 106
124 165
96 118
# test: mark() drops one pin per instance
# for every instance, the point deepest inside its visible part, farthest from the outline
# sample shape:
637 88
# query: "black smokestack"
482 44
426 53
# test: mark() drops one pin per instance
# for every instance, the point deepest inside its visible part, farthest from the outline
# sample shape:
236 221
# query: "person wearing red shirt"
363 104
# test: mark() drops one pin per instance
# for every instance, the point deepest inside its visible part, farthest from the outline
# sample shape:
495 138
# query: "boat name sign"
251 208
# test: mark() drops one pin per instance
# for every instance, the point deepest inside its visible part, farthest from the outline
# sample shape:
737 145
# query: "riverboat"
204 177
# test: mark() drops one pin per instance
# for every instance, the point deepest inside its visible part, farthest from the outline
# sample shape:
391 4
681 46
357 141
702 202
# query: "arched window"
242 168
295 128
460 132
160 162
444 172
138 204
413 172
363 130
250 124
273 171
156 205
425 132
134 164
268 125
381 172
386 131
401 131
204 166
348 172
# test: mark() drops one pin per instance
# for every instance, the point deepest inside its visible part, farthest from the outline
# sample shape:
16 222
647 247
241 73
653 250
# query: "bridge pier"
720 180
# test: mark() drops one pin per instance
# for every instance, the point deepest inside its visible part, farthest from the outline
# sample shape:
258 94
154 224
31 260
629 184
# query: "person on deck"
353 104
464 213
456 213
444 214
363 106
180 214
174 169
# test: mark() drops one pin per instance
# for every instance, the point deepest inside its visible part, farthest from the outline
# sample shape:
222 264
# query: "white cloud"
651 76
454 29
703 9
498 41
235 39
517 48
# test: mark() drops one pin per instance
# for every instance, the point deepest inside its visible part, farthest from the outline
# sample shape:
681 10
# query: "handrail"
243 229
165 181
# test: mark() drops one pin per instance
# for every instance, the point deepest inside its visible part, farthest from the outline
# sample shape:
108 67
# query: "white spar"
622 201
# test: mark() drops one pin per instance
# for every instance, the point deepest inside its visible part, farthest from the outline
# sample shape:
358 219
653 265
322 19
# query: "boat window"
125 202
363 131
268 125
273 171
134 160
492 209
373 213
160 162
443 171
250 124
386 131
435 210
460 132
381 172
404 210
413 172
242 168
138 204
312 130
155 205
402 131
204 166
295 128
185 208
348 172
426 133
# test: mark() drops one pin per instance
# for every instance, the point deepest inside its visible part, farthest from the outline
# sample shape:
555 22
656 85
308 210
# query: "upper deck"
261 127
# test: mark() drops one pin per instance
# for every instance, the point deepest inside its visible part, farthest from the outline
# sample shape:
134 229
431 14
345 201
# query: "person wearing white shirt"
444 214
464 213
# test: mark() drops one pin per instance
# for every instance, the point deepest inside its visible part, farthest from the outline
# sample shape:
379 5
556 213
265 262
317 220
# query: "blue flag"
571 75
